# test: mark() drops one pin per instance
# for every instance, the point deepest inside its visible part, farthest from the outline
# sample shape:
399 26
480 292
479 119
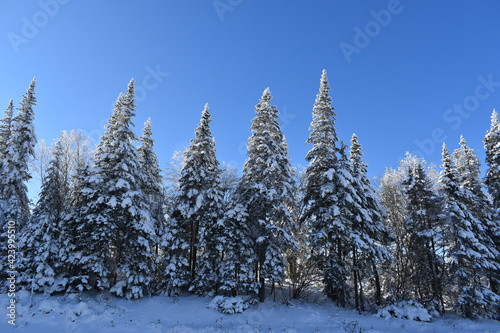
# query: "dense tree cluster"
111 220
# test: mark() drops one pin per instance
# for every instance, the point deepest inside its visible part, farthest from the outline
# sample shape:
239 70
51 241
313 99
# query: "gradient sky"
405 75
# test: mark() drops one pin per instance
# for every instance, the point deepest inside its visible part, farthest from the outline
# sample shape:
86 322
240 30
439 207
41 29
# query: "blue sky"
405 75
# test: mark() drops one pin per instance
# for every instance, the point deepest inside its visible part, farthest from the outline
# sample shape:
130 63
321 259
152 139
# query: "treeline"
109 219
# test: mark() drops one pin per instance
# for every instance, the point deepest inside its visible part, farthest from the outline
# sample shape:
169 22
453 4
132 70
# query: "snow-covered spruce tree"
83 269
193 227
322 200
153 189
210 207
424 226
492 180
41 267
467 258
266 192
492 146
6 129
116 235
468 168
14 168
370 235
175 245
5 133
237 270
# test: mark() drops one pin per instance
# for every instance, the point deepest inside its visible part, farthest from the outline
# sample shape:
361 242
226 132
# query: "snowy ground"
105 313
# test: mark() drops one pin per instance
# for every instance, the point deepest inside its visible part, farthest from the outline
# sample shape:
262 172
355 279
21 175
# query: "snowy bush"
228 305
407 310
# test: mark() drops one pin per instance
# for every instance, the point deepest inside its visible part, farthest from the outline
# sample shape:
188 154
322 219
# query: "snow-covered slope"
105 313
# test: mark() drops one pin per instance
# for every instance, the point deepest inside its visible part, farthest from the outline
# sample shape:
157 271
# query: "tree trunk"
355 277
378 289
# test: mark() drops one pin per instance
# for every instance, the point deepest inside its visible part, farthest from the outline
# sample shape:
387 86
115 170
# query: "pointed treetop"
266 96
462 141
202 132
323 98
146 130
445 157
10 107
324 76
445 147
356 152
9 112
131 84
494 118
128 97
32 84
324 86
206 111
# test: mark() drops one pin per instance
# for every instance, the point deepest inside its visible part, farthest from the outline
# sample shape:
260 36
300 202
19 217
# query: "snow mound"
411 310
228 305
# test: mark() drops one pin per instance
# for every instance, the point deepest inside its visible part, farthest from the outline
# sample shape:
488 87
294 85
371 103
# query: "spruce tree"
424 226
14 169
116 214
153 189
42 269
370 234
266 189
469 171
492 181
6 129
18 148
210 207
5 134
467 258
492 146
328 233
194 225
237 270
81 252
488 229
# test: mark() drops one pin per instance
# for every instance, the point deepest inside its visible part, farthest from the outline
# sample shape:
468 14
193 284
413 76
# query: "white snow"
106 313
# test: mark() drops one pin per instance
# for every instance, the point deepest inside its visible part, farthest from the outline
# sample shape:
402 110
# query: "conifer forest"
109 219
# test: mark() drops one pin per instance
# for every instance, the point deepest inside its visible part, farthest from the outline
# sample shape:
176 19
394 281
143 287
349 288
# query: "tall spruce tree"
266 189
322 200
116 215
18 144
492 181
41 241
153 189
14 169
370 234
468 169
5 134
6 129
194 224
467 258
488 230
424 226
210 207
153 180
492 146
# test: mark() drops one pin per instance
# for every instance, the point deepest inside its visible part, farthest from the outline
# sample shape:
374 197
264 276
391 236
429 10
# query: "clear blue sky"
401 72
